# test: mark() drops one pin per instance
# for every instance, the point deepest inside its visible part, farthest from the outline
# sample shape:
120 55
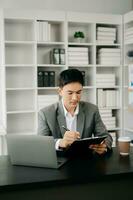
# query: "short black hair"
69 76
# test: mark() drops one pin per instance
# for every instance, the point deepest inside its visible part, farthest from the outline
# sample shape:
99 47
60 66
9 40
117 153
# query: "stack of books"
108 98
107 118
106 35
46 78
129 35
109 56
57 56
105 80
43 31
78 56
46 100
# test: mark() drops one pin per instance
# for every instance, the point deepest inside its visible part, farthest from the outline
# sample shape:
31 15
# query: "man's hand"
99 148
69 138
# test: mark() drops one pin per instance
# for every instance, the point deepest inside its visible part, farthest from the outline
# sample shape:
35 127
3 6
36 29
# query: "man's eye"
78 92
70 93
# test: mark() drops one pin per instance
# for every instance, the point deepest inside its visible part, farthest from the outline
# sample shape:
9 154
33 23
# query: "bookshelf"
20 79
103 37
33 42
128 62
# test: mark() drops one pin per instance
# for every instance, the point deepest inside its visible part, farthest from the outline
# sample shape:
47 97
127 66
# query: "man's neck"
70 110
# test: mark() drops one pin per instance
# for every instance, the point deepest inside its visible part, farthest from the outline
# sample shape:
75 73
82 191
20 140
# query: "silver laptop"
33 150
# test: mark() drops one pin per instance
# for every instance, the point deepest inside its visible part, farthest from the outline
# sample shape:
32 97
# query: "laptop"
33 150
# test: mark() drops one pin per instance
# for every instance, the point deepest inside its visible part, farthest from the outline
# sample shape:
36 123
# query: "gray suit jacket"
89 121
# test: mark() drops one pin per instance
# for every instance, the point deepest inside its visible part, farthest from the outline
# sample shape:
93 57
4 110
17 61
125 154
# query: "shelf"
108 65
47 88
108 44
20 65
50 65
50 43
81 66
108 87
13 89
19 42
21 111
112 108
80 44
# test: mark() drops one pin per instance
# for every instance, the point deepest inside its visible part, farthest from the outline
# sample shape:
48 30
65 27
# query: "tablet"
83 144
89 141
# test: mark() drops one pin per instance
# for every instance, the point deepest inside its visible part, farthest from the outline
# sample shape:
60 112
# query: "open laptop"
33 150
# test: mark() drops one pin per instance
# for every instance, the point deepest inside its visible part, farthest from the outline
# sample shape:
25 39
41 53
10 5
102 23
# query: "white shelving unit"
20 73
88 24
29 39
128 46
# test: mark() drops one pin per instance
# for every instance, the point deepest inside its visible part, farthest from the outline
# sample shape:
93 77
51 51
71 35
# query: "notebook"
33 150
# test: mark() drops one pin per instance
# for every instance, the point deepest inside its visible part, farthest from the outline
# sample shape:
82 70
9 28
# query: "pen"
66 129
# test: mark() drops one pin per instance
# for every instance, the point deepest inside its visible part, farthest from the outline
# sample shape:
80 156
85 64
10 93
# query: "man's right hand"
69 138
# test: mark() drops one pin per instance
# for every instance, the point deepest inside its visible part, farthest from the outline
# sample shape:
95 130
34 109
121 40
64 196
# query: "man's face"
71 94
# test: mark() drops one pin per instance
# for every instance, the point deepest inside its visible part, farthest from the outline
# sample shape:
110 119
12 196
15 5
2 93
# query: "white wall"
95 6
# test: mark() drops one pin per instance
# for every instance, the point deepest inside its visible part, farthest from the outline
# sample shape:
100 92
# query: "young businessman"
82 119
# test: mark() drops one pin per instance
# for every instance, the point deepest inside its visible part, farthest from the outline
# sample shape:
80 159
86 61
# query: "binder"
56 59
46 78
83 74
51 81
62 56
40 79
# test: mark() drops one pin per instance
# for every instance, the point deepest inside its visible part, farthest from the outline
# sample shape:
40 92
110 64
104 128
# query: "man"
81 119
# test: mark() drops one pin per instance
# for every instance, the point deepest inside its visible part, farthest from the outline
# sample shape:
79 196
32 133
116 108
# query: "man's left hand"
99 148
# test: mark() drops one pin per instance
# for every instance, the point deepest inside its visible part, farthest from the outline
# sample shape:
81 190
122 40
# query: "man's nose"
74 96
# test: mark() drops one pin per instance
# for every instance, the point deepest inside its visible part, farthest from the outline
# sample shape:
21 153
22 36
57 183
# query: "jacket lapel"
80 121
61 118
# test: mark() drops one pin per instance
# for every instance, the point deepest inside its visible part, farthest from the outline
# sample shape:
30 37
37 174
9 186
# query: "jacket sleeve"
43 128
100 129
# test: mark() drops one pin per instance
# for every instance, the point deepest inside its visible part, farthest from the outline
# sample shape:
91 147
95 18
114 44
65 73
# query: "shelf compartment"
21 77
110 70
51 31
55 77
21 123
20 100
86 28
113 35
19 30
88 75
19 54
44 54
77 54
88 95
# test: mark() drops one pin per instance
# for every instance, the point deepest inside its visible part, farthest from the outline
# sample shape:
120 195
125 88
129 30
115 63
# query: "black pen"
66 129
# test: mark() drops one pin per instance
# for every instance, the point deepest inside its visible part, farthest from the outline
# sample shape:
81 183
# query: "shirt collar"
66 112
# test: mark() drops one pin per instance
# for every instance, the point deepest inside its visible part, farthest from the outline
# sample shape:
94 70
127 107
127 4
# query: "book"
109 50
45 78
40 79
56 57
84 78
106 29
51 79
77 49
62 56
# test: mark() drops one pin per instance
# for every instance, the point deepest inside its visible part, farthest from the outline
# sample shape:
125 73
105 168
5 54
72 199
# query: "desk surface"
78 170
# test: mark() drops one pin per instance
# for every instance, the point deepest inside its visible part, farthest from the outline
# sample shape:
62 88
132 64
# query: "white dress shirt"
71 122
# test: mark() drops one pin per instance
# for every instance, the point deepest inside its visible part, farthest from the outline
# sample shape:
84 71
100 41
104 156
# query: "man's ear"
60 91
